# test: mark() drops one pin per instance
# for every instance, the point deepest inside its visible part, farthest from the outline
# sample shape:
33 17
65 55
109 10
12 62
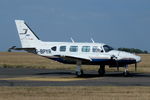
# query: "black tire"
79 74
101 72
126 74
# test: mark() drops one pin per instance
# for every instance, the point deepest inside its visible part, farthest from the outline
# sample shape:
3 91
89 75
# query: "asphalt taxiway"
47 77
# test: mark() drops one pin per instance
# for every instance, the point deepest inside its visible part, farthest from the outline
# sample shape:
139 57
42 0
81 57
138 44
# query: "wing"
74 57
31 50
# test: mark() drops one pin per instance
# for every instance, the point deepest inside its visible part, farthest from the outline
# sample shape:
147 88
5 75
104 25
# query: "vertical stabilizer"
27 37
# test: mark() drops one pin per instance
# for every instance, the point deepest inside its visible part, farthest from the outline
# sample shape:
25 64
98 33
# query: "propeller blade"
114 58
118 68
135 66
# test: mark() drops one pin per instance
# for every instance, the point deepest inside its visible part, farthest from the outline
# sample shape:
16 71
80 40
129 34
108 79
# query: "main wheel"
101 72
79 73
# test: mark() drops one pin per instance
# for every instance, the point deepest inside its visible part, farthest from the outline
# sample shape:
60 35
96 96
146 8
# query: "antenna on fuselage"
72 40
92 40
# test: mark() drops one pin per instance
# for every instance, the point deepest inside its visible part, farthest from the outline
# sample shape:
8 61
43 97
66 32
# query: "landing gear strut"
126 73
79 71
101 70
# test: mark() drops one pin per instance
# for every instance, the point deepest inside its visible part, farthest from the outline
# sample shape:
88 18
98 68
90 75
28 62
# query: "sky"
119 23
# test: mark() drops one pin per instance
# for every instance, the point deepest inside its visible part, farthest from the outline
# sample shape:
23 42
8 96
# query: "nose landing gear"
126 73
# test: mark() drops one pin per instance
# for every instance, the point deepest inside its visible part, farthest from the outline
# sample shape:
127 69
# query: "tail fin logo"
25 32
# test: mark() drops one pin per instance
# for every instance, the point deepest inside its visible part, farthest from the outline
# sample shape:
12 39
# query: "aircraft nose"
138 59
129 55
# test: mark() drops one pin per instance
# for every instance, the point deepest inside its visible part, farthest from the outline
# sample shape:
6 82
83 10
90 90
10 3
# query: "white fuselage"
92 53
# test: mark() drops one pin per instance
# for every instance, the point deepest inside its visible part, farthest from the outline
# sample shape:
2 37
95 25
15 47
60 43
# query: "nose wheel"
126 72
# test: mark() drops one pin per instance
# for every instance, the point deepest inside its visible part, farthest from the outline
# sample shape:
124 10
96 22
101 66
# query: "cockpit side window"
107 48
96 49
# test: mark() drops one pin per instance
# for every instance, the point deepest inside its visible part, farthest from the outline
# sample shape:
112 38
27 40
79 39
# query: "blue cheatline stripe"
99 60
119 61
57 59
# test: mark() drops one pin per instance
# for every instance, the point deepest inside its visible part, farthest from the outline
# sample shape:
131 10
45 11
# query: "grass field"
75 93
70 92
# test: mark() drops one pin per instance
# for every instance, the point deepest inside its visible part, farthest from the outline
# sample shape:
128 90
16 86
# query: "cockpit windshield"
107 48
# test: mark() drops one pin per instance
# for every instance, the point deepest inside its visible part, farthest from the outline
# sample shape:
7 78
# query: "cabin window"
73 48
54 48
86 49
96 49
62 48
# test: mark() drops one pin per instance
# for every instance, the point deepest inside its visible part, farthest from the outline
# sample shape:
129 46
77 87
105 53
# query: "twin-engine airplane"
75 53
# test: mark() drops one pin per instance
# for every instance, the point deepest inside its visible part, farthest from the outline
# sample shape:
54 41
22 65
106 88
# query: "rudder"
27 37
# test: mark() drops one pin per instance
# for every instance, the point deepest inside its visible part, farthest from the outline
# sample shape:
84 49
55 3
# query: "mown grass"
75 93
27 60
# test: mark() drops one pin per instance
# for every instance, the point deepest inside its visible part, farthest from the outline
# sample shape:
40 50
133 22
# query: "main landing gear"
101 70
79 71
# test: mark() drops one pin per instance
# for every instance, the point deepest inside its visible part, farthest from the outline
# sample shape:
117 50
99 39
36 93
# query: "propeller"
135 66
117 68
113 57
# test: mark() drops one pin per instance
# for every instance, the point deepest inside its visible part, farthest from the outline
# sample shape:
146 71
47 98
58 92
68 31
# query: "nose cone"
131 56
138 59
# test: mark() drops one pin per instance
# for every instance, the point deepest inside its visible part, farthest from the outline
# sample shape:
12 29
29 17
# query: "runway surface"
45 77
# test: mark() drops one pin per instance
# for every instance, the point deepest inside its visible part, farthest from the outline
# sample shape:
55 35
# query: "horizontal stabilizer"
30 50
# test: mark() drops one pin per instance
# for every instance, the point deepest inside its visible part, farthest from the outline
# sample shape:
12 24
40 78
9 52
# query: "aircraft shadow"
94 75
117 75
56 73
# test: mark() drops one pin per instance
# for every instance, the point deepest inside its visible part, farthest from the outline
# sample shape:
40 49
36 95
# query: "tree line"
133 50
